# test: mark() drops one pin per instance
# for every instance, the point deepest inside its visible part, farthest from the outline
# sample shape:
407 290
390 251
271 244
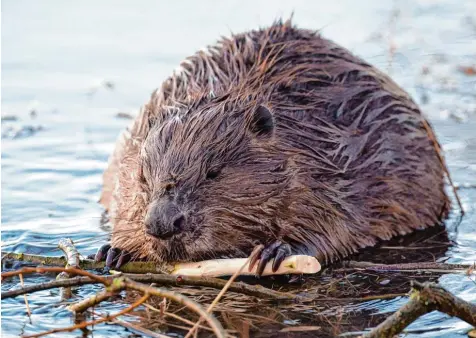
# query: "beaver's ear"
262 121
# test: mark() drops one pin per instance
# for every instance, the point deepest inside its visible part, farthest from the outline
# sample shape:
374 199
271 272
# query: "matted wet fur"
273 135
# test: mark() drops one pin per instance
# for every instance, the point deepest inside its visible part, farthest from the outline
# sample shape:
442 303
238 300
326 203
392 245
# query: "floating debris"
33 108
425 70
468 70
24 131
99 84
109 85
123 115
9 118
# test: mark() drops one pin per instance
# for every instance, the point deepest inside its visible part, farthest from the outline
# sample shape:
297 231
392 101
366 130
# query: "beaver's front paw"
113 256
277 250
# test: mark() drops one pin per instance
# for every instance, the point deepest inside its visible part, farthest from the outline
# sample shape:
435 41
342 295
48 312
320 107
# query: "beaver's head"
216 182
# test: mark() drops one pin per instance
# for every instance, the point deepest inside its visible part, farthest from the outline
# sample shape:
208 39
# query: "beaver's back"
353 132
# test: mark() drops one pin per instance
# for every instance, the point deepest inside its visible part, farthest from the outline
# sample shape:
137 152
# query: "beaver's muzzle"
164 219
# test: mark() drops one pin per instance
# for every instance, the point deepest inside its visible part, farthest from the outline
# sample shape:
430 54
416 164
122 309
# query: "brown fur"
349 163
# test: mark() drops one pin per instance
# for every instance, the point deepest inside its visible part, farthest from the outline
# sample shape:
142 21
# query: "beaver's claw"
113 256
277 250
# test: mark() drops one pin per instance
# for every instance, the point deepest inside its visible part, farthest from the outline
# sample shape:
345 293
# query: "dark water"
56 54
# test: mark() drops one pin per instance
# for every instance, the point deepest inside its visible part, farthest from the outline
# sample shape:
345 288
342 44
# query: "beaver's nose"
164 219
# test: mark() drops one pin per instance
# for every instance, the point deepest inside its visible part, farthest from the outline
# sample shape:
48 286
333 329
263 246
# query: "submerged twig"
93 322
163 313
177 297
91 301
133 327
425 298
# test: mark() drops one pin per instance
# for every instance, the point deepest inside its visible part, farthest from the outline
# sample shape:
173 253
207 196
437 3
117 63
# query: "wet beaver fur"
278 137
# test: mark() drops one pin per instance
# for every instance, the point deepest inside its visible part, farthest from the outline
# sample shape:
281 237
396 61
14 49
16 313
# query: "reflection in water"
69 69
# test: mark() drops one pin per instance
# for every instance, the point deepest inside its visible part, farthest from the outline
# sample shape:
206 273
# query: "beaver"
276 137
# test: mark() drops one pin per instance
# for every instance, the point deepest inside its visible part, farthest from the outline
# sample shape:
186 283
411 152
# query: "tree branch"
408 267
72 261
425 298
89 264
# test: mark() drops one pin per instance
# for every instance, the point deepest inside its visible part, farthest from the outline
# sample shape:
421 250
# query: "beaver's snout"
164 219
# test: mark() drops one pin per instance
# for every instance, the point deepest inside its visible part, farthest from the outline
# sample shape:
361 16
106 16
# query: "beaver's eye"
168 187
212 174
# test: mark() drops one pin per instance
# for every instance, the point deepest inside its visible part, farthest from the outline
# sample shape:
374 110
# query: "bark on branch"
72 261
408 267
424 298
88 264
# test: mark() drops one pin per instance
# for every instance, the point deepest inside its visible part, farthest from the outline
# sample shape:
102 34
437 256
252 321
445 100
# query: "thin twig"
222 292
90 302
391 33
177 297
441 158
134 327
26 298
76 281
173 315
74 271
408 267
425 298
94 322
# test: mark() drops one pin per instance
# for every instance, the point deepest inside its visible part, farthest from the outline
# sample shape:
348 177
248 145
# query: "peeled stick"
297 264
